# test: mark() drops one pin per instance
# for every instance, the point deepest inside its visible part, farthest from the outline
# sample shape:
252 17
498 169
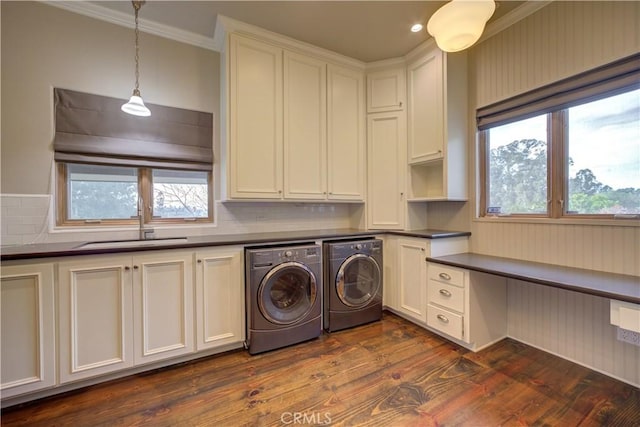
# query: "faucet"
144 233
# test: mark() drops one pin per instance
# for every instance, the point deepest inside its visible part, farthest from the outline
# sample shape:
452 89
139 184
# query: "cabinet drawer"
446 274
445 321
446 295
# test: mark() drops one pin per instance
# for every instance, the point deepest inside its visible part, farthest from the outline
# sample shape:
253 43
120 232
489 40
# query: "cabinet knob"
127 268
135 267
199 261
423 249
279 191
400 104
445 292
444 276
442 318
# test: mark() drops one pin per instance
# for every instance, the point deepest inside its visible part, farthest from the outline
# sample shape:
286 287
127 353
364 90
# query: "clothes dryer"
283 295
353 283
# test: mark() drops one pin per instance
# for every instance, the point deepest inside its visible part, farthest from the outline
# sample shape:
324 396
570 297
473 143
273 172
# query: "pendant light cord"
136 6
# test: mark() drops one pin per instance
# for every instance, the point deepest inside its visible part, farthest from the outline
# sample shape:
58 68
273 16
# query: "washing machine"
353 283
283 295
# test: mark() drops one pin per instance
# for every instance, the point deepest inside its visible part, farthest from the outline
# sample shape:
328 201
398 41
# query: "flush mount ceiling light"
459 24
416 27
135 105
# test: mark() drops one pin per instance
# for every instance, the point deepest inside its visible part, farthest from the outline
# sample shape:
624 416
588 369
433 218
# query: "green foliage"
518 176
518 184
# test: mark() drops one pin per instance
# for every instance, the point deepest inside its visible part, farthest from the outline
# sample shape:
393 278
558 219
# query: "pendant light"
136 105
459 24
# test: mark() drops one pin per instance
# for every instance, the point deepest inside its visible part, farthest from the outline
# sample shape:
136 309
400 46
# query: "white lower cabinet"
405 285
219 297
162 306
119 311
412 277
468 306
28 329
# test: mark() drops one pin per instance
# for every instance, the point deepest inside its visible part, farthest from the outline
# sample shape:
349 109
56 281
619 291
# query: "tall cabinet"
437 125
386 149
294 122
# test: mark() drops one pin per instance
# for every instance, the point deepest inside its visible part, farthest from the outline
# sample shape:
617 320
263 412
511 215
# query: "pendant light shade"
459 24
136 106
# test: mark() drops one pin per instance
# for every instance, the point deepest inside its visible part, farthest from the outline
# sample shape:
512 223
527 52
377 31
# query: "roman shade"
608 80
93 129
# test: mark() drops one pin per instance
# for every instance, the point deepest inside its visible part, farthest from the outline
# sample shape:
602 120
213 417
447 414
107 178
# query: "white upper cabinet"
386 90
426 108
346 133
295 123
255 119
437 126
305 124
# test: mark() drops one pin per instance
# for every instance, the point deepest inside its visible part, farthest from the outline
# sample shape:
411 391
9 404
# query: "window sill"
559 221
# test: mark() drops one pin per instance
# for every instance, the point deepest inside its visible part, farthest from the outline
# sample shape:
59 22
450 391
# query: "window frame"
145 192
557 171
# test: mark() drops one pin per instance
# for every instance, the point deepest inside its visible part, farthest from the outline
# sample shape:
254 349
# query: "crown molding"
225 25
95 11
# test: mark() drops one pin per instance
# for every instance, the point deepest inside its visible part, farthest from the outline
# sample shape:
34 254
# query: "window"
114 168
571 152
98 194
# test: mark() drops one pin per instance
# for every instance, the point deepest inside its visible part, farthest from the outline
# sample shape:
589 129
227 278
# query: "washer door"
358 280
287 293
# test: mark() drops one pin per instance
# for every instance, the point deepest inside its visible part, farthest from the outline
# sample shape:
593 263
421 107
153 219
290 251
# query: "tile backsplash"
29 219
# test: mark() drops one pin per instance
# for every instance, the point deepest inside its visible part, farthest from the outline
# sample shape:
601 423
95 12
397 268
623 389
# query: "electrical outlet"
630 337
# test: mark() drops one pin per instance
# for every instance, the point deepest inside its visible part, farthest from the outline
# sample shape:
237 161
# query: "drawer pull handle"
444 276
442 318
445 292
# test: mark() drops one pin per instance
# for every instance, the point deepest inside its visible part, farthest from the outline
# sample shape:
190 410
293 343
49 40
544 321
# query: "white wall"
45 47
560 40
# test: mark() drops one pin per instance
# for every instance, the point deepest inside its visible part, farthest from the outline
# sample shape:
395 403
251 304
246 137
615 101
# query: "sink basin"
132 243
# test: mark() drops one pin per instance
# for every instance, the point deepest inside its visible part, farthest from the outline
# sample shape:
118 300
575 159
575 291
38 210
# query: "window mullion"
144 189
483 164
558 165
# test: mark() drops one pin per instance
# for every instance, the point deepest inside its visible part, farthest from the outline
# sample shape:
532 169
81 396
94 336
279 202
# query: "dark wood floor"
389 373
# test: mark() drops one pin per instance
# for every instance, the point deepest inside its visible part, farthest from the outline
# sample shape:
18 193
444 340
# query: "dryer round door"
358 280
287 293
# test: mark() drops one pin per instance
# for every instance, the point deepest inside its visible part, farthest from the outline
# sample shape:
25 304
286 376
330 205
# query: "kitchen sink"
132 243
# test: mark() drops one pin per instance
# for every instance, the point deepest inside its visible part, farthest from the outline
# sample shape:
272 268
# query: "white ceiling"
364 30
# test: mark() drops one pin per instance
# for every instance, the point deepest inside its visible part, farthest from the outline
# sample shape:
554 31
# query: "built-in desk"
619 287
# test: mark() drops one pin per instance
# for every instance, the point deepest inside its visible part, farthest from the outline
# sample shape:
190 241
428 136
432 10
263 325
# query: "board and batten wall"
558 41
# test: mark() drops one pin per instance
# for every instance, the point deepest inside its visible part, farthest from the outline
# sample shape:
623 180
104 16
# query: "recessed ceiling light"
415 28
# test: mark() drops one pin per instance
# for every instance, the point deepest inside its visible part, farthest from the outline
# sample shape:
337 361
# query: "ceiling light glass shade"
459 24
136 106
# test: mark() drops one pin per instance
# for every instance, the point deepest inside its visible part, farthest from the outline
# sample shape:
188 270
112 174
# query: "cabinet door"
386 90
162 305
219 298
345 131
426 108
28 329
386 140
95 324
412 278
255 119
305 127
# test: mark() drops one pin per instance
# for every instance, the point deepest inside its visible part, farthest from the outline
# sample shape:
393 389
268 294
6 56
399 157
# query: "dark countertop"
620 287
49 250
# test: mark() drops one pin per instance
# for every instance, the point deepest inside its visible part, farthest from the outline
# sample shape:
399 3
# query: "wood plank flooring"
388 373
